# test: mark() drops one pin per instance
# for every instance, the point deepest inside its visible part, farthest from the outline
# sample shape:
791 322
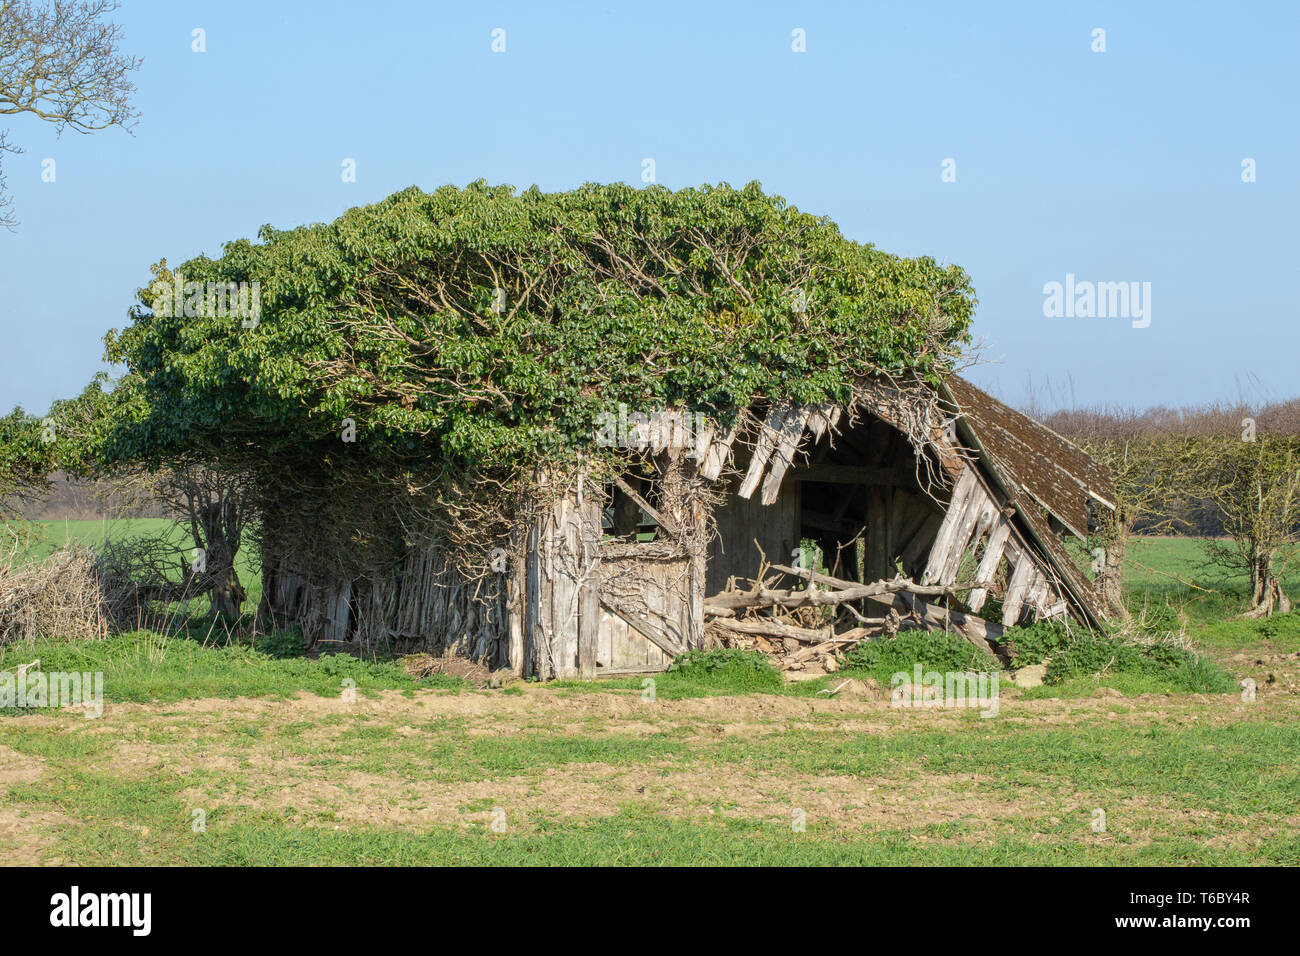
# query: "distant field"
52 535
1177 567
1175 570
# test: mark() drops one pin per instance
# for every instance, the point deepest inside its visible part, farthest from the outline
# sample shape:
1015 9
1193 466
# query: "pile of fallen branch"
791 624
62 595
84 593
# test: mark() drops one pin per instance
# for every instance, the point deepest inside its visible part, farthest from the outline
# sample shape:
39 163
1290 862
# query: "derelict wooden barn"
934 508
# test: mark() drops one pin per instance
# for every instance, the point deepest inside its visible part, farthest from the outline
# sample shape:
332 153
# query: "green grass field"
216 749
1175 570
43 538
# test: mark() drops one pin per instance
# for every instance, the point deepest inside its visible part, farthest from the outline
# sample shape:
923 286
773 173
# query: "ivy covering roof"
483 326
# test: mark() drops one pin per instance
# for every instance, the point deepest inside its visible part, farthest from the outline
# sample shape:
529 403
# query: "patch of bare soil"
587 791
541 710
23 834
1273 672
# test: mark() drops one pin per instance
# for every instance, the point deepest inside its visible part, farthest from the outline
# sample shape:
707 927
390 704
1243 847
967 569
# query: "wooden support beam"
772 628
663 522
812 597
889 476
1021 578
564 594
642 626
589 535
1039 594
979 515
978 632
791 434
769 434
943 541
988 565
1055 610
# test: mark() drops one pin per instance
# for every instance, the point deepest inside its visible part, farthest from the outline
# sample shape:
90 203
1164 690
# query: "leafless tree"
1255 485
211 504
60 61
214 503
1146 456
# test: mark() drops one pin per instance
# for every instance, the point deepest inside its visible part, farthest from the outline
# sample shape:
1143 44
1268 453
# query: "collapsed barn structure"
799 530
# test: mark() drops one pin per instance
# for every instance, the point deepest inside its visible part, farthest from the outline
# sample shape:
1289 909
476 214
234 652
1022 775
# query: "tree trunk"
1265 588
1258 577
1109 578
227 595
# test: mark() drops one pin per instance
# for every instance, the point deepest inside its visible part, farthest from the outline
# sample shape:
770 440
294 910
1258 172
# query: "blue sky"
1122 166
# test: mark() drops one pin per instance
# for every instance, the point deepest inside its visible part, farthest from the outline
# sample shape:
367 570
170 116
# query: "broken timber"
900 594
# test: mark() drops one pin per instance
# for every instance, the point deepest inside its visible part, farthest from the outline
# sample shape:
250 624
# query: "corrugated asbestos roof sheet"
1032 458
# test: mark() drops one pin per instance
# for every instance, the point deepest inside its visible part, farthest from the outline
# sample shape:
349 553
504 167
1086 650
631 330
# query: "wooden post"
589 533
565 574
533 636
515 605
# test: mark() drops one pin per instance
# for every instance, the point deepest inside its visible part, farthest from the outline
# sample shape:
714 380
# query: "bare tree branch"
60 62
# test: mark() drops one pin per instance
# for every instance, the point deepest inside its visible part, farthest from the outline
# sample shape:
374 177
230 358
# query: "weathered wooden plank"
978 517
961 534
988 565
1056 610
589 534
703 441
774 628
642 626
976 630
337 611
769 435
823 419
1039 595
720 451
698 572
732 551
665 613
791 434
943 541
604 643
515 601
1021 578
565 600
536 639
